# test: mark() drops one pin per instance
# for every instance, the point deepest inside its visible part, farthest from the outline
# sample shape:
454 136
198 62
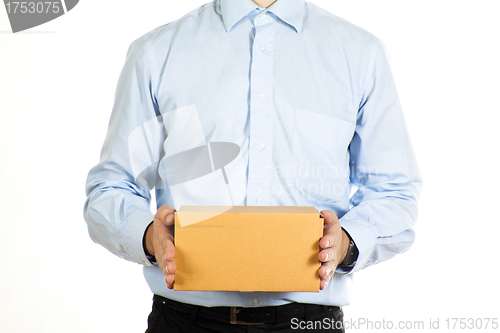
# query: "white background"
57 83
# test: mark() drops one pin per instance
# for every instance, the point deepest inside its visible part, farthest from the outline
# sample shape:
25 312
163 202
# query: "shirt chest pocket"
320 155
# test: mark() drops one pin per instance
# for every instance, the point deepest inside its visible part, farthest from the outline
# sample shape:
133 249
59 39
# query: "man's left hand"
334 245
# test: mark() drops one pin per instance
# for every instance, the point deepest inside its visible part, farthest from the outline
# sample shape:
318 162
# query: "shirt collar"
289 11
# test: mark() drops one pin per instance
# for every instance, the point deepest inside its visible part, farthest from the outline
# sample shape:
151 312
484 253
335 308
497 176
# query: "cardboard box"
247 248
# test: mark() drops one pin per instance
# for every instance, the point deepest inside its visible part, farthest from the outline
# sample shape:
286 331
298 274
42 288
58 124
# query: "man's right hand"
160 242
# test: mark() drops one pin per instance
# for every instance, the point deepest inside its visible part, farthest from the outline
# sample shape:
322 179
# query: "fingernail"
170 217
328 242
327 255
327 272
166 268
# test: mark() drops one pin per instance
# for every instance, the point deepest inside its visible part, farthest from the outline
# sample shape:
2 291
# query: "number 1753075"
32 7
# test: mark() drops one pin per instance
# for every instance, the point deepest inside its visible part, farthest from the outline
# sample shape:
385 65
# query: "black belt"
252 316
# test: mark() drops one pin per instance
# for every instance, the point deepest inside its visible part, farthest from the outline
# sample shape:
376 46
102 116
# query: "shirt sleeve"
117 209
383 169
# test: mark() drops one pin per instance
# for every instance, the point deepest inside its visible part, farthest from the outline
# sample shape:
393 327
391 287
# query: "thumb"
165 215
169 220
330 218
327 216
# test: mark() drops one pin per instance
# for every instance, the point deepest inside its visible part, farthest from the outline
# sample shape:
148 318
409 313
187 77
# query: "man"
309 100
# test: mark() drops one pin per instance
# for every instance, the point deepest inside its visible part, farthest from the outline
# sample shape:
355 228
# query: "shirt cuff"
135 234
365 239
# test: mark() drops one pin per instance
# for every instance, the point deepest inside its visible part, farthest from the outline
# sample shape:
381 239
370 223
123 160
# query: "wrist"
346 240
147 244
148 240
350 256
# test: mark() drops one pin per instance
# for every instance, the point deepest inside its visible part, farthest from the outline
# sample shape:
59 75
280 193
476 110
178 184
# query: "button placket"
261 110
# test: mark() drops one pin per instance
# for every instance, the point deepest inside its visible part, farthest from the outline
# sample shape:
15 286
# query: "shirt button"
256 301
262 98
261 147
263 48
258 199
262 16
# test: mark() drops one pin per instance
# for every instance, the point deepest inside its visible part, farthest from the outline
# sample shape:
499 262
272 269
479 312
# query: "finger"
323 284
170 268
327 241
164 267
170 252
326 272
161 240
169 279
168 261
327 255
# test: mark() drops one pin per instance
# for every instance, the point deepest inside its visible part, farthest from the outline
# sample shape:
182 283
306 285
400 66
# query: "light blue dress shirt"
307 97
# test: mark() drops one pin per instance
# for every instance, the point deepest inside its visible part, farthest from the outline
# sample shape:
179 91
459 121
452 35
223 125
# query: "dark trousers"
170 316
